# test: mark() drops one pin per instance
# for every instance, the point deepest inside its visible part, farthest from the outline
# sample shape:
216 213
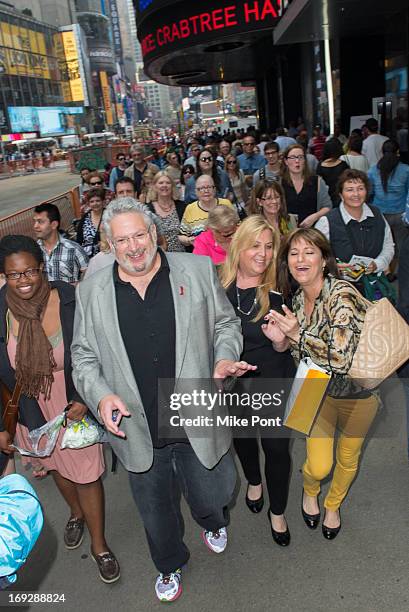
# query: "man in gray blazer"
152 317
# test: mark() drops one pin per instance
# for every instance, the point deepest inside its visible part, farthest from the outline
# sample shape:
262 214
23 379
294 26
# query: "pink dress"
82 465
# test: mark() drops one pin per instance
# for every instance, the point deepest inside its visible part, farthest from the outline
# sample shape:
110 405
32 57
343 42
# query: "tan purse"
383 344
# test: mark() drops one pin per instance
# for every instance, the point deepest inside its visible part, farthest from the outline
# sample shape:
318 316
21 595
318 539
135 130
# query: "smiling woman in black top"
248 275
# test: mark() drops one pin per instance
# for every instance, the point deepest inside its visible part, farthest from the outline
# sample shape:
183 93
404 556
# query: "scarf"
34 361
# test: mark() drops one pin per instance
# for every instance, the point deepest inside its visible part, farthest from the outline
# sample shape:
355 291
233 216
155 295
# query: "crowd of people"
175 260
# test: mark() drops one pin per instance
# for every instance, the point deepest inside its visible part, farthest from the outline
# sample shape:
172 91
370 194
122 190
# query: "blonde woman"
147 195
238 182
168 208
222 224
248 275
268 199
174 169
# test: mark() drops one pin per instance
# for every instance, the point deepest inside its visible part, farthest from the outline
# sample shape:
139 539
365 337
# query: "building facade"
38 85
318 60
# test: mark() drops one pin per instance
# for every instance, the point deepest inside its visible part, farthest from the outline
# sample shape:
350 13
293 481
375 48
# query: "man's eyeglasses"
206 159
296 157
96 183
205 188
30 273
123 243
249 144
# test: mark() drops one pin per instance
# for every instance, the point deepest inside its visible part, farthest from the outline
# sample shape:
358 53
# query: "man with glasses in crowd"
117 172
195 151
249 160
139 166
64 259
138 322
271 171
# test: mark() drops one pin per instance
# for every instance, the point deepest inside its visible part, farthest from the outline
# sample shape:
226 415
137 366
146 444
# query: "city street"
21 192
363 570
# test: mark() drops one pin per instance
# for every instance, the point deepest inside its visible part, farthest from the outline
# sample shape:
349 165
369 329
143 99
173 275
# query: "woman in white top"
354 157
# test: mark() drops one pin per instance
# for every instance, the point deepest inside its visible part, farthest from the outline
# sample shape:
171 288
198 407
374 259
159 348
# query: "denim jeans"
157 493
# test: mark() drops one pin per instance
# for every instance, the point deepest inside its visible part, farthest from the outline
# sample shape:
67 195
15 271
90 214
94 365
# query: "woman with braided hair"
36 325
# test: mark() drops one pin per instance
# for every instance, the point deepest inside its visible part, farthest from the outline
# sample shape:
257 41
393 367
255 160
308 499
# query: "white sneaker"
216 540
168 587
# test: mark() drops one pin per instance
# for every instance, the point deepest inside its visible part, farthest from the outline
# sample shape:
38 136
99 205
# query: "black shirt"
148 329
303 203
257 348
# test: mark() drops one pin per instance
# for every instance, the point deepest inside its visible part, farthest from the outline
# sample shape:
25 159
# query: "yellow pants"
354 418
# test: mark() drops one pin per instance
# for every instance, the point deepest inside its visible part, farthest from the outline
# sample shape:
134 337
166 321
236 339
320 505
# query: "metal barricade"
22 221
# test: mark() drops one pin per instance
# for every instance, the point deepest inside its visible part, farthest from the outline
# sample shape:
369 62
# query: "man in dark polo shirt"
147 317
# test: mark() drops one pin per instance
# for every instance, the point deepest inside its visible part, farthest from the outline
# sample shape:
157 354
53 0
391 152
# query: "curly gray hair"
120 206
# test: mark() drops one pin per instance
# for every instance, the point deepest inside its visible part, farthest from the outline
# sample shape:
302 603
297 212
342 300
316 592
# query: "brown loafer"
74 533
108 566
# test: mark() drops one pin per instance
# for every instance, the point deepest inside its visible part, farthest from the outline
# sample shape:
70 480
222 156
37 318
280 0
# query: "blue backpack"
21 521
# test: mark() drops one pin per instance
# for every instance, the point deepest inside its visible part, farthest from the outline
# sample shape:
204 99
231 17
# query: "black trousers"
277 467
176 470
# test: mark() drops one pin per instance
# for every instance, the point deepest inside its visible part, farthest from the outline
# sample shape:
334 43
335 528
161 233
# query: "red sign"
227 19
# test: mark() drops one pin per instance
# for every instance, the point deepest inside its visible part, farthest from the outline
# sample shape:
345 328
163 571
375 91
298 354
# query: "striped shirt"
65 262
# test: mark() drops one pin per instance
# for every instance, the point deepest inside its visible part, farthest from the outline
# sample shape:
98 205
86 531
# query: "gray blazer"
207 330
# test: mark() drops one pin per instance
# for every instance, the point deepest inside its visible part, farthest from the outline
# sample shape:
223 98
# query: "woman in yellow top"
268 199
194 220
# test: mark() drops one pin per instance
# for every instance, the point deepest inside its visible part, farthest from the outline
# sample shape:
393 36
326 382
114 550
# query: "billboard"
106 96
48 120
71 53
23 52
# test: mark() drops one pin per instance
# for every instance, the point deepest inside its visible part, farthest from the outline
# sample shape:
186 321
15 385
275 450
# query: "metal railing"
22 222
25 166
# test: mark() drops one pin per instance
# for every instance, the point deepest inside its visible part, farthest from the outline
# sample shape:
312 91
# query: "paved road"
21 192
364 570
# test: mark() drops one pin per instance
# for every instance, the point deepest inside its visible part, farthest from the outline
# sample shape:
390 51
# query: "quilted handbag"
383 344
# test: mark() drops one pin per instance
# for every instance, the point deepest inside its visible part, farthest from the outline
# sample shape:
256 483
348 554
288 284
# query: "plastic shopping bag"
50 430
80 434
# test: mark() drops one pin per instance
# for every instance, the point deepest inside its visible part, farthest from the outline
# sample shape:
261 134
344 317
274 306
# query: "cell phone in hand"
276 301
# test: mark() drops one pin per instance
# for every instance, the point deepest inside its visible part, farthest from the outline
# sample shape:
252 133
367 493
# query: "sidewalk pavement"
364 570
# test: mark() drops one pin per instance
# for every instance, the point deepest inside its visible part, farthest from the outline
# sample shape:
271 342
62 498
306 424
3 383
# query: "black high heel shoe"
330 533
311 520
255 505
282 538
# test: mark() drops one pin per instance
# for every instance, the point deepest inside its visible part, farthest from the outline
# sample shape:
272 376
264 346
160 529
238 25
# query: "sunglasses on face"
206 159
96 183
187 172
121 158
232 161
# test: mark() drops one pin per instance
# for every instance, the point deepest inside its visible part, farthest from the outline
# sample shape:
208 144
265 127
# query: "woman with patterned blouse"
168 208
88 228
325 325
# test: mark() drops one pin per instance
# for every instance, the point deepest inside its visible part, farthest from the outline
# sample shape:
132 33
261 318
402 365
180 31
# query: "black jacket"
30 413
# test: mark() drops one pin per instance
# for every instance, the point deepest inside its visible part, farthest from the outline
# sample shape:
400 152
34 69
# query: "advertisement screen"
48 120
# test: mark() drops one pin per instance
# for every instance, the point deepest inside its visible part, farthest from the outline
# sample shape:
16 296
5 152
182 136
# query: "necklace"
163 208
247 314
